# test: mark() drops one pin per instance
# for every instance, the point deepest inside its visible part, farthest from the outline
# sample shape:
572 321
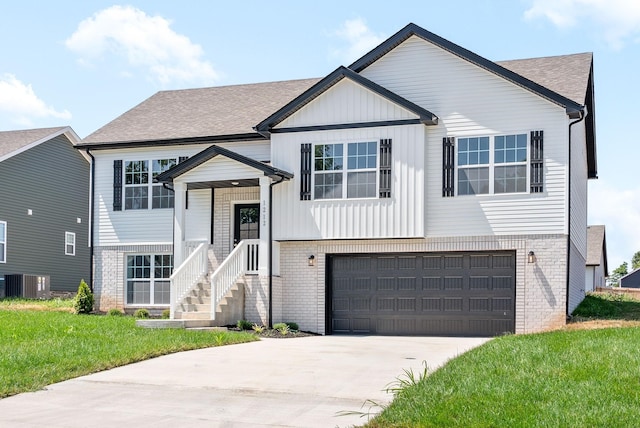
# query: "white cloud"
359 40
617 20
145 42
22 105
619 211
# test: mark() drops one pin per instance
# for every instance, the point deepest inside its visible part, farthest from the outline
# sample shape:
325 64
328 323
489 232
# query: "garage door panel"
423 294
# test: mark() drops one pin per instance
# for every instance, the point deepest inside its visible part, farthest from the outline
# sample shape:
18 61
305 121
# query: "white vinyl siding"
198 216
69 243
3 241
347 102
401 215
146 226
471 101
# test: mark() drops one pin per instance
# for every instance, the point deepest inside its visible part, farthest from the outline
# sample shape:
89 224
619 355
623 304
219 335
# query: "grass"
48 345
570 377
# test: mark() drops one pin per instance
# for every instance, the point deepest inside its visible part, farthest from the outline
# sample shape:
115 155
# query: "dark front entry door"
247 222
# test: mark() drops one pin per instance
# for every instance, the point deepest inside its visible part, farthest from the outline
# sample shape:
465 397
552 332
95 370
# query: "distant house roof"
597 247
15 142
227 112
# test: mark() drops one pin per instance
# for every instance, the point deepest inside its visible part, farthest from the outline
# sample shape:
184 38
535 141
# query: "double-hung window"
148 279
489 165
69 243
333 179
139 186
3 241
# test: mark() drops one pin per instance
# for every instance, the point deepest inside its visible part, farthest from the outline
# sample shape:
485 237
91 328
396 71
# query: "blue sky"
84 63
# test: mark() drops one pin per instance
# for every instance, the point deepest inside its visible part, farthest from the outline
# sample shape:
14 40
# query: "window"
3 241
489 165
70 243
148 279
139 186
358 180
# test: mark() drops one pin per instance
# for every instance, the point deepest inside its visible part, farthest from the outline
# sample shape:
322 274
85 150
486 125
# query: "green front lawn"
41 347
572 377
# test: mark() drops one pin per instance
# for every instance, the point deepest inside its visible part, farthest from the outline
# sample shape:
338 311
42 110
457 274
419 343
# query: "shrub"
258 328
115 312
292 325
141 313
166 314
282 328
244 325
83 302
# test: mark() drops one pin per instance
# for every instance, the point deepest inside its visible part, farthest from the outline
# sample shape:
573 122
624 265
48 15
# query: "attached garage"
457 294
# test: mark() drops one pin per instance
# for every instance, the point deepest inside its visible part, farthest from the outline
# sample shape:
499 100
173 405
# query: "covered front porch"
222 236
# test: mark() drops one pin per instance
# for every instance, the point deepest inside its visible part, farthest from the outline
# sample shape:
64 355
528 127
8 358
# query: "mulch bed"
275 334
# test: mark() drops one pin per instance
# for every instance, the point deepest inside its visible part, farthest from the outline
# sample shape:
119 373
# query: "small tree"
619 272
635 261
83 303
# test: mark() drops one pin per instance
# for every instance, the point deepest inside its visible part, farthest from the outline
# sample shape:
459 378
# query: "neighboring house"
44 207
631 280
421 190
597 270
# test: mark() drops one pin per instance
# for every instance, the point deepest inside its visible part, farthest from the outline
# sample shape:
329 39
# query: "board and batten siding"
402 215
471 101
347 102
52 180
150 226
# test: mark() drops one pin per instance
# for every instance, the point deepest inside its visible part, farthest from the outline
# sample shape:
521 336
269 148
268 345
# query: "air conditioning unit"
28 286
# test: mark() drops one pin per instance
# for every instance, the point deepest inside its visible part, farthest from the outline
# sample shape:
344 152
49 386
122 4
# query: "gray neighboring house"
597 270
44 207
631 280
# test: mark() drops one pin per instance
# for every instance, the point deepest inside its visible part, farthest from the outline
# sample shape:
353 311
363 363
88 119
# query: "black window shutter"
117 185
448 166
385 168
537 163
305 172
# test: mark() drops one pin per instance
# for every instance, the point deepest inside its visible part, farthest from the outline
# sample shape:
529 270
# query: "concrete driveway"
272 383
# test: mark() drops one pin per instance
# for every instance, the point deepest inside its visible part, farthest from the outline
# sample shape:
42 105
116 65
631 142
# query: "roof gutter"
580 119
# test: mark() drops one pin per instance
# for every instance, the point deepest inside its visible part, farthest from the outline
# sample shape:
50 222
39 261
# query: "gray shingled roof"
568 75
10 141
204 112
235 110
596 245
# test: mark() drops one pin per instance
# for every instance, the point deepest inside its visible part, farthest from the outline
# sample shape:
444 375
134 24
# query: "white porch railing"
242 260
188 274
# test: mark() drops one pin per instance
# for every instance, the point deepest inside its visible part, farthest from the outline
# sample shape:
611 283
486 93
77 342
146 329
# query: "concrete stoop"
195 309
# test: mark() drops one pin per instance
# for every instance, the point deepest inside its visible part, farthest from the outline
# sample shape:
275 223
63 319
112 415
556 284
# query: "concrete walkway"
301 382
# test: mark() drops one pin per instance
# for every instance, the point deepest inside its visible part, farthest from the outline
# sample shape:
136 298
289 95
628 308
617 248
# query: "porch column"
263 254
179 197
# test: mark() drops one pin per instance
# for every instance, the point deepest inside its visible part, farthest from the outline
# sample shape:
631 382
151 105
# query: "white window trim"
150 184
345 170
68 235
3 240
492 165
151 280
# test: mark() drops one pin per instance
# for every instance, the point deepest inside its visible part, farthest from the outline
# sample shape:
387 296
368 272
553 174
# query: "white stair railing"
188 274
243 259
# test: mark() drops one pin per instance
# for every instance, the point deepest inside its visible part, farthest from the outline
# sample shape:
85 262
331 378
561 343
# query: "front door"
247 222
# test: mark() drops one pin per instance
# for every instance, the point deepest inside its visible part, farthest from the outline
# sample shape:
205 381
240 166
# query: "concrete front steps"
195 310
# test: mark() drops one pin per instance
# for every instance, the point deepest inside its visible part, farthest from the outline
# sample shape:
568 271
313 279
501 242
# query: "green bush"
282 328
292 325
141 313
244 325
166 314
115 312
83 302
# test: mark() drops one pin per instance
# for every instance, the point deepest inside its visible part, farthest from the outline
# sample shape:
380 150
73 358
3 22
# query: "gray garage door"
464 294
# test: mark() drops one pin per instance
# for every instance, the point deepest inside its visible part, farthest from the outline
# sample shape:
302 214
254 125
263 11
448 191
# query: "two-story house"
423 189
44 212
